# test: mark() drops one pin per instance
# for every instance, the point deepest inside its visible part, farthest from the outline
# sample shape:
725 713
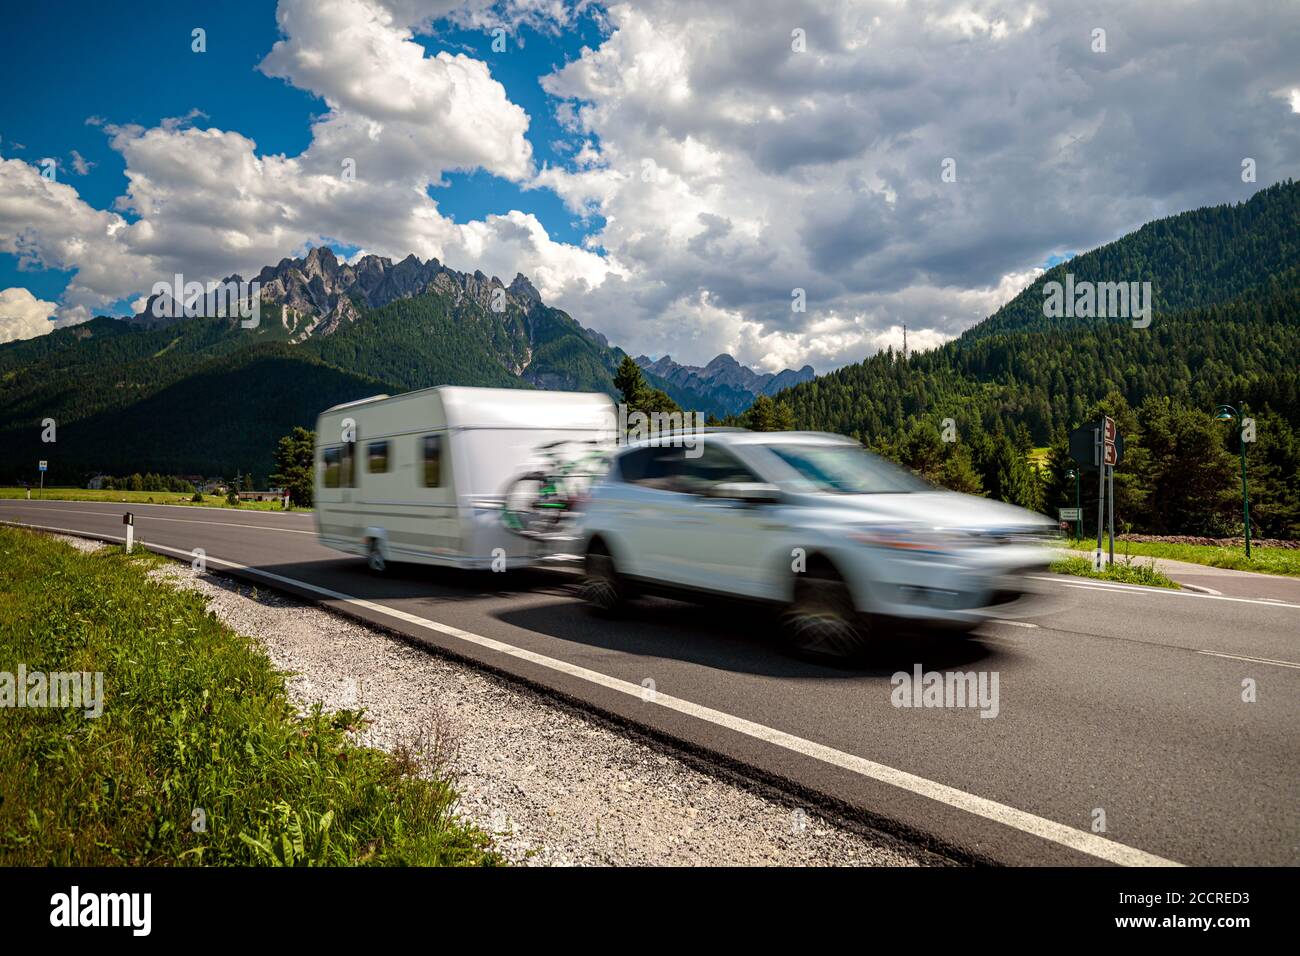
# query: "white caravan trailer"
421 477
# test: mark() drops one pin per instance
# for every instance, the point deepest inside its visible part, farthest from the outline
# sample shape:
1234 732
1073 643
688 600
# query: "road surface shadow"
732 637
739 638
407 581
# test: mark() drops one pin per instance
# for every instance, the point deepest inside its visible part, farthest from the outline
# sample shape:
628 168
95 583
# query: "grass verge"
1125 572
195 727
141 498
1281 561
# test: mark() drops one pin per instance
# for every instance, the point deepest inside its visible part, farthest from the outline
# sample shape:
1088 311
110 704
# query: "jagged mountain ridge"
724 379
320 295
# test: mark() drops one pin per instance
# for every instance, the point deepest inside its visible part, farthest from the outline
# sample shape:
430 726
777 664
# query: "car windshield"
847 470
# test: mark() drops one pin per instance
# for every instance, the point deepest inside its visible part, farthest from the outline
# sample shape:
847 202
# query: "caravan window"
377 457
348 473
432 461
332 459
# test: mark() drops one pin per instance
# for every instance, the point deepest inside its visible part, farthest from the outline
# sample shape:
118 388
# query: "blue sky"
93 77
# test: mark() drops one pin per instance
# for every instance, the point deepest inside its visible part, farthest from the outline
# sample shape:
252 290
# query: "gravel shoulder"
555 787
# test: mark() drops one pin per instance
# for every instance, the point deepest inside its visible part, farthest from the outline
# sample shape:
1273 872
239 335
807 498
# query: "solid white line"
223 524
1080 840
998 620
1253 660
1110 586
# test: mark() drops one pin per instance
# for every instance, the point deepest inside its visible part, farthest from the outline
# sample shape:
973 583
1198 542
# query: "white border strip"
1088 584
1067 836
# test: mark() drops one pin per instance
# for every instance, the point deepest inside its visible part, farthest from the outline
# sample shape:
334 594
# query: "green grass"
1283 561
1125 572
142 498
194 716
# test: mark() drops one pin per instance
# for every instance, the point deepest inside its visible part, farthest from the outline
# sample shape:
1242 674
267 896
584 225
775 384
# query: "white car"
843 540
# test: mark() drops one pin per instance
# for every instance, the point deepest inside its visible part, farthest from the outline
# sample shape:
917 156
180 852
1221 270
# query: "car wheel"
602 588
375 560
822 621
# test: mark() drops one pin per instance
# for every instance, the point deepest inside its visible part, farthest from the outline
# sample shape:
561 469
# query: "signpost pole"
1101 494
1111 513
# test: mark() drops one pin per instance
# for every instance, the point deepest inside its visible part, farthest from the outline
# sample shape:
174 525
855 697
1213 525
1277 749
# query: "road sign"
1071 514
44 465
1083 445
1110 455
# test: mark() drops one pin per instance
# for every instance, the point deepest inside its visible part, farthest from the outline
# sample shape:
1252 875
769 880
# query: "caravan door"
336 479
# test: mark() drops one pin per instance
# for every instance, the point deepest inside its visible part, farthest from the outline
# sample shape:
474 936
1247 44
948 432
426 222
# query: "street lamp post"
1226 413
1078 502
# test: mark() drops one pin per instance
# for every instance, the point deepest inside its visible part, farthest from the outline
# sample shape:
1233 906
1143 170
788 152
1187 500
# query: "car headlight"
900 538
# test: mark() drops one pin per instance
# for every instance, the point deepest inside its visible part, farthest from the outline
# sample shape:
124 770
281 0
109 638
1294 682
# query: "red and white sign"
1109 456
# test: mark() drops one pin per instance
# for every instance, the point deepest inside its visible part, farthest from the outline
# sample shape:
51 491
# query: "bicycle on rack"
543 500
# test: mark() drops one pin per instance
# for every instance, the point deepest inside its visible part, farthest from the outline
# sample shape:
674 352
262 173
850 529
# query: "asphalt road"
1114 700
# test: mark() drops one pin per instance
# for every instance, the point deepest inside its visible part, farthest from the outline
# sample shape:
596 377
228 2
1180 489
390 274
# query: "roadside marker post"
128 519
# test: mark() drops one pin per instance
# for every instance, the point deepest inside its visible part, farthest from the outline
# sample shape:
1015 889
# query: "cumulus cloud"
733 153
23 316
398 113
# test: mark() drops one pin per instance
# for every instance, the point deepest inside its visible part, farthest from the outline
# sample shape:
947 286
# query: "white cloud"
23 316
400 114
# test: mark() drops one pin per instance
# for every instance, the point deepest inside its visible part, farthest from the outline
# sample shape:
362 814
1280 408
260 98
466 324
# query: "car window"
715 466
377 457
847 470
652 467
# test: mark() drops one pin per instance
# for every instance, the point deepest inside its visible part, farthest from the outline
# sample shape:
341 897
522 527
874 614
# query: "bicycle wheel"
533 506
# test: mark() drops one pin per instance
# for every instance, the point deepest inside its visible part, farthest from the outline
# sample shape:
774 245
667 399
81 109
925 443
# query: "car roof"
740 436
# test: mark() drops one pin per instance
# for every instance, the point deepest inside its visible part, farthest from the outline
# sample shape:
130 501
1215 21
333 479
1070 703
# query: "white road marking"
998 620
1067 836
1253 660
223 524
1109 586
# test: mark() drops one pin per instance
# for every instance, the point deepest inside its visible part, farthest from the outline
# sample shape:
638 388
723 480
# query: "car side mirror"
751 492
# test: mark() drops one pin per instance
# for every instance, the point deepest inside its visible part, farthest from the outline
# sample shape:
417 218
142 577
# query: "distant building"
214 487
99 482
268 495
